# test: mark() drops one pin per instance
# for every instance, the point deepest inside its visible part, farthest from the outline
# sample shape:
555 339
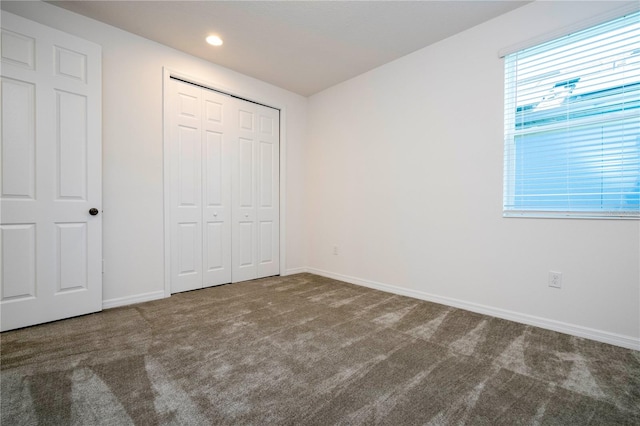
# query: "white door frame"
166 77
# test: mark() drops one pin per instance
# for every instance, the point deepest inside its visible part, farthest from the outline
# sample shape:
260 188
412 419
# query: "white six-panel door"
256 192
51 246
224 188
200 188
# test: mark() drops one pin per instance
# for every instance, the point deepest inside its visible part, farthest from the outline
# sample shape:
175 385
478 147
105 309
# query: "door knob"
93 211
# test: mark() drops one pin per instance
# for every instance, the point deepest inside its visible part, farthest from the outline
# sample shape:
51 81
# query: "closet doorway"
222 184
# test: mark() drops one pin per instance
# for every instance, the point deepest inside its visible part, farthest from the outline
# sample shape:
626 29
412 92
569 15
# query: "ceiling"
301 46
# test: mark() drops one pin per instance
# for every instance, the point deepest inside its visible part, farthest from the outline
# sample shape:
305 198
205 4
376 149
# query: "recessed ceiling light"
214 40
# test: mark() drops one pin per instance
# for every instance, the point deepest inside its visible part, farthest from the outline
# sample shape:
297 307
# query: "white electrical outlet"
555 279
335 250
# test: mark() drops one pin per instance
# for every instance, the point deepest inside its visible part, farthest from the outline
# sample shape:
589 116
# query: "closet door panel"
267 210
215 247
186 188
188 157
216 188
224 180
244 190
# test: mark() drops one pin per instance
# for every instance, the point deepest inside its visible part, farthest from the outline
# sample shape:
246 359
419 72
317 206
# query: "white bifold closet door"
224 188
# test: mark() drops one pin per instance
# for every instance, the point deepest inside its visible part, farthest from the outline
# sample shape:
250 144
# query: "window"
572 125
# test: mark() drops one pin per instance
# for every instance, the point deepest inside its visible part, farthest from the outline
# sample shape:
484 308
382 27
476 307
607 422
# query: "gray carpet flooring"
307 350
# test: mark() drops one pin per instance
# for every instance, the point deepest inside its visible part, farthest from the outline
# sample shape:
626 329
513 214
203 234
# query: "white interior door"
200 180
256 193
216 188
224 188
186 188
50 244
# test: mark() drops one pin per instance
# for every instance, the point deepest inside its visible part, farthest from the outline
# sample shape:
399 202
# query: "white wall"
405 177
133 148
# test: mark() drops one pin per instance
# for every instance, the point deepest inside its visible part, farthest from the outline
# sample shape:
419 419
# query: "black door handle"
93 211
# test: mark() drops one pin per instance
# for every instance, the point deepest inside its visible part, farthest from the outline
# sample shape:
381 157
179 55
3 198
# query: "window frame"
510 208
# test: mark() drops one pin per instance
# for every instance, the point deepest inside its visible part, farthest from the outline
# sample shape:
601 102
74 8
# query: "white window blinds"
572 124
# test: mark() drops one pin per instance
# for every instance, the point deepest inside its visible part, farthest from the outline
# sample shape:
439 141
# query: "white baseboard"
160 294
130 300
561 327
293 271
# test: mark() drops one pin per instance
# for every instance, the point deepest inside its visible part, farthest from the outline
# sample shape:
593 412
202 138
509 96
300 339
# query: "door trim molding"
167 73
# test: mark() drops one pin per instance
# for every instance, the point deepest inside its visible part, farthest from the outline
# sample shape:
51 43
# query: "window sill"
570 215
